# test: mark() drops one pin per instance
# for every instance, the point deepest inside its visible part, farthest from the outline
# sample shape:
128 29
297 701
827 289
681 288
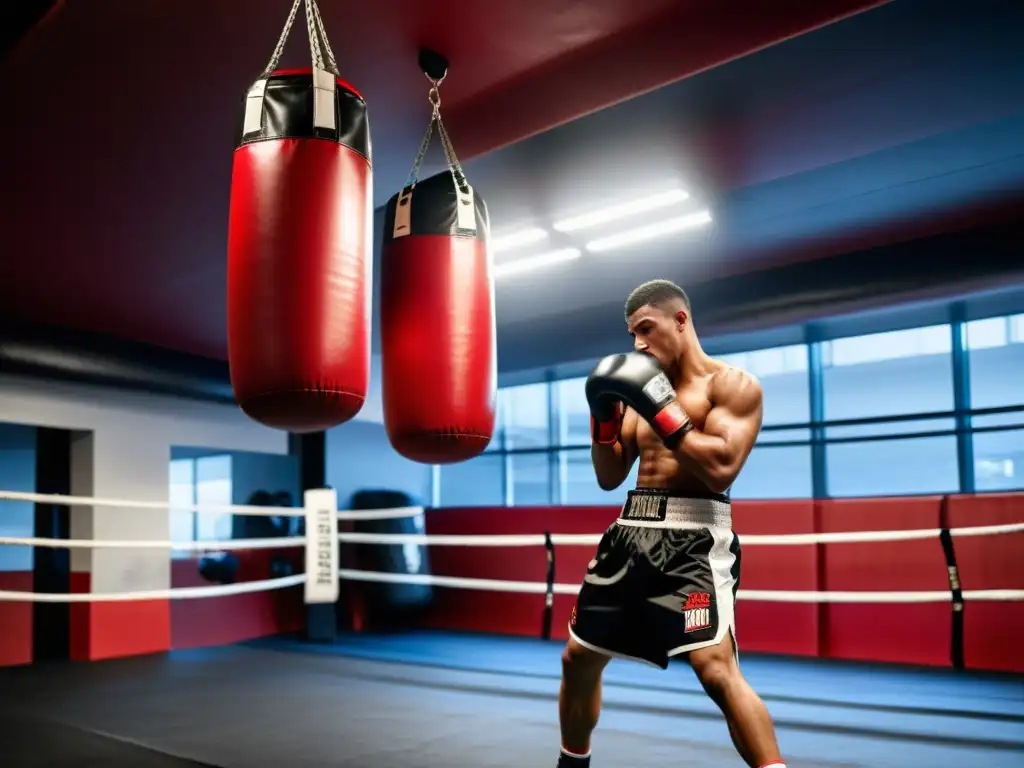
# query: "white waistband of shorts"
681 512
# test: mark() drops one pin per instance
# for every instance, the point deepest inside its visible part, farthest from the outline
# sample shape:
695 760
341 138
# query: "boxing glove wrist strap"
672 423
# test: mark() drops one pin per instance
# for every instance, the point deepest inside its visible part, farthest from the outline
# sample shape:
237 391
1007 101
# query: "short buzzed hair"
654 293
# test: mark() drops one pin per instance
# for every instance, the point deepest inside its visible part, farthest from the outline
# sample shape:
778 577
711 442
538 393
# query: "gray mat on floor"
31 742
251 708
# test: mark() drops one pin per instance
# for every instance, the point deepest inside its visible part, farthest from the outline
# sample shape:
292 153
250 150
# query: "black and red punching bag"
438 339
300 251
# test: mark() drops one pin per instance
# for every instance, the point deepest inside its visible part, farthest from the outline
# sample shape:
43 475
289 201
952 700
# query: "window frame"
960 417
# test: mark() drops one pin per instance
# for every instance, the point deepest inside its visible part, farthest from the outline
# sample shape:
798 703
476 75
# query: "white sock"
567 753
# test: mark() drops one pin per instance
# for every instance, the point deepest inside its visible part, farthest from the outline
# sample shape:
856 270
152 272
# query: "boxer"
663 581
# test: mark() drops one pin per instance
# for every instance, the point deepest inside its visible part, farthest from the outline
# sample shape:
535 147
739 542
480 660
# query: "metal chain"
435 100
453 161
315 29
314 37
279 50
332 63
434 96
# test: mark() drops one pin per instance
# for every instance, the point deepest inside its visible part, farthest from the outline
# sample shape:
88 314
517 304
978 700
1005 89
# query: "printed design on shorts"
642 507
572 618
697 611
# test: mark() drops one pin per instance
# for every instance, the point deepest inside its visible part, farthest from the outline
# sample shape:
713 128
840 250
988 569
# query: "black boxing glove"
637 380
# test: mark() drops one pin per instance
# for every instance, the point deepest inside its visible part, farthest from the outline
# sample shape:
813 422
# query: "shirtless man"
664 579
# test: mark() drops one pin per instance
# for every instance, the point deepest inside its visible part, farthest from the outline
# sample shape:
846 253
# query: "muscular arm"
717 453
613 462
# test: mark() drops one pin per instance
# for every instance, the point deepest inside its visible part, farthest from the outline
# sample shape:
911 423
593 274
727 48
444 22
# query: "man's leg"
750 725
742 748
579 702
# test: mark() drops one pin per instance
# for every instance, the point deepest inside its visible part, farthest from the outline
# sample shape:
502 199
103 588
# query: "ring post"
322 563
549 587
956 642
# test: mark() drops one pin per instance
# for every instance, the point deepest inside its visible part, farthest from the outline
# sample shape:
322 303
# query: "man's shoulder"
731 384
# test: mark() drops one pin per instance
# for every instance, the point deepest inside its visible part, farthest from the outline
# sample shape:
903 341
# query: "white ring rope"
494 540
214 509
499 540
497 585
88 501
217 590
774 596
182 546
592 539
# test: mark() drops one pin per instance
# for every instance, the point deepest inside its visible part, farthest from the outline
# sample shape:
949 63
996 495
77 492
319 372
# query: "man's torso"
659 468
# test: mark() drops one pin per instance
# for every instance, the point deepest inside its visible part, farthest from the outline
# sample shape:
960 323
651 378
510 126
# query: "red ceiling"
117 164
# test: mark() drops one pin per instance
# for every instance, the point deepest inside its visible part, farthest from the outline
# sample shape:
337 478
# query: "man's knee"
716 668
580 664
716 675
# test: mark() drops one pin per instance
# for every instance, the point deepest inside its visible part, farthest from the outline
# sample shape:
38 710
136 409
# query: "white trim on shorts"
610 654
721 560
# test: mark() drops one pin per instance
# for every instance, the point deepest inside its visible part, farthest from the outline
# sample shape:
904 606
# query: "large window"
525 416
479 482
579 483
779 467
895 374
995 353
205 481
573 412
887 419
213 488
17 473
530 477
182 498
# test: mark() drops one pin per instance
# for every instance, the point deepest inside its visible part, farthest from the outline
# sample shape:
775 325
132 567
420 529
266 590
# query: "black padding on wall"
51 566
68 355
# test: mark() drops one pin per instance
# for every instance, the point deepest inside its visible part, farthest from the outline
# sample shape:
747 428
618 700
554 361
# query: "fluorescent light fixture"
622 210
650 232
518 239
531 263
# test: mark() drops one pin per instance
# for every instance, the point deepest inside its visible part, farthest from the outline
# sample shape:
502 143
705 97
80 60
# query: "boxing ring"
433 698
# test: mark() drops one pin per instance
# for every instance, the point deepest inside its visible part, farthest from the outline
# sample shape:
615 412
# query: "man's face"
658 332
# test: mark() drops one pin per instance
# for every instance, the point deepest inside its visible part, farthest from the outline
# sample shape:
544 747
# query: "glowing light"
622 210
650 231
518 239
541 260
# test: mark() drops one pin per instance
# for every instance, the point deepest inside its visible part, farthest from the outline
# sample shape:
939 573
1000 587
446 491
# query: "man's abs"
659 468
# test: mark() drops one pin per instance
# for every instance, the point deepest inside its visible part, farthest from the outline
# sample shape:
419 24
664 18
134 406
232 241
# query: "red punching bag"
299 250
437 322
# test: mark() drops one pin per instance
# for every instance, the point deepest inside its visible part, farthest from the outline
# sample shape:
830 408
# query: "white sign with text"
322 558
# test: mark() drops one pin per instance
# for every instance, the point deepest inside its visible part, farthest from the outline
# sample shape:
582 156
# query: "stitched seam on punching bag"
448 432
252 142
277 392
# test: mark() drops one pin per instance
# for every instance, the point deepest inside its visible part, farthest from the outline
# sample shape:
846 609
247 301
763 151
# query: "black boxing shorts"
663 581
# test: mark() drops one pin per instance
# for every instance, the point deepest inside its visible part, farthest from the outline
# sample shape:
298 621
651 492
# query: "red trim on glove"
671 419
606 432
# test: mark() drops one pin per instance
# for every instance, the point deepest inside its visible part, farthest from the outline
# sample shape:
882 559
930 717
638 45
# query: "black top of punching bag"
433 210
287 104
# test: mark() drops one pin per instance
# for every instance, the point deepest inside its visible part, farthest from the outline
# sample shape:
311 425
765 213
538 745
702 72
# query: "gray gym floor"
439 700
